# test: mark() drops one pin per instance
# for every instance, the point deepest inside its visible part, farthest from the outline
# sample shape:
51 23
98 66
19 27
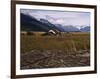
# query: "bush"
30 33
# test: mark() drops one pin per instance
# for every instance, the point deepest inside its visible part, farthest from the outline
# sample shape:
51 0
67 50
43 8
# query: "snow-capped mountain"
29 22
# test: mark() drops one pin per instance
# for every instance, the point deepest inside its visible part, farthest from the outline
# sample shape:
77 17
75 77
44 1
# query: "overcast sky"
60 17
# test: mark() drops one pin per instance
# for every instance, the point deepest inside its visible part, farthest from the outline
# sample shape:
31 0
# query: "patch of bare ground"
54 59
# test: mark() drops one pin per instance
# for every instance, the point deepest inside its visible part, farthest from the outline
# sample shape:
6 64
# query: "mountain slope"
60 27
85 29
31 24
49 24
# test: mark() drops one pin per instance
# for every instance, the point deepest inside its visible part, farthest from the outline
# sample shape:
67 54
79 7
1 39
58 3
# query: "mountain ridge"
29 23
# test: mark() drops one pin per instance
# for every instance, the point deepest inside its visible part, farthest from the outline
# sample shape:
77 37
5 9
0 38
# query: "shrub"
30 33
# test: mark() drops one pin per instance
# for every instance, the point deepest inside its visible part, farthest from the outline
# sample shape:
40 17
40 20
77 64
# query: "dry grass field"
68 50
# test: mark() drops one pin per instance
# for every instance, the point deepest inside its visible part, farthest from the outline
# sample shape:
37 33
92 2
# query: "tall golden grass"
75 41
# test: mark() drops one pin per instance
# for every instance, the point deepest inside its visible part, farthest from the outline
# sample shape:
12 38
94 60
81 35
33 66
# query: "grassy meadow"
74 41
